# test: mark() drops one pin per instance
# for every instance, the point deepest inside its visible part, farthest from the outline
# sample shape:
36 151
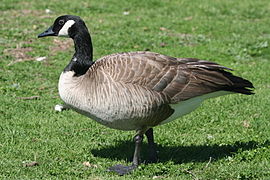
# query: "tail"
220 77
239 85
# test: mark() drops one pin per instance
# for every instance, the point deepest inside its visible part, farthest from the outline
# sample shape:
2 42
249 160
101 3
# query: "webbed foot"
121 169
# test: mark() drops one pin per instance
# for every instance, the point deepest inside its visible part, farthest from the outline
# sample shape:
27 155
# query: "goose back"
177 78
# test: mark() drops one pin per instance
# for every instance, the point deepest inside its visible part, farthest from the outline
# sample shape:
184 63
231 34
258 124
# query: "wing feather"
177 78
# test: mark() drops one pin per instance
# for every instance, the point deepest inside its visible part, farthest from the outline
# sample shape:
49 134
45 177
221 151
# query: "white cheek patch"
64 30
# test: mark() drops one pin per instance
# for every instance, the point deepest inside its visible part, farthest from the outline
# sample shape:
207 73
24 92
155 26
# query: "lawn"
226 138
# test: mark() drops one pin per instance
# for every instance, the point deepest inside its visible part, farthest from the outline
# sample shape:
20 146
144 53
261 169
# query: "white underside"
190 105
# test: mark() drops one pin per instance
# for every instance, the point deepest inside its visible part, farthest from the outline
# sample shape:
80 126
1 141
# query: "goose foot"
121 169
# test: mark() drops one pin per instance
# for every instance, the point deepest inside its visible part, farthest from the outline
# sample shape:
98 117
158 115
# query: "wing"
177 78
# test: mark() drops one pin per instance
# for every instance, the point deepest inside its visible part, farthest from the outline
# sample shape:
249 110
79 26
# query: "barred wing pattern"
178 78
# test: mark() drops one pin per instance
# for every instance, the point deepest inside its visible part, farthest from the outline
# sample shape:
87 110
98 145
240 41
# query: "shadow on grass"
124 150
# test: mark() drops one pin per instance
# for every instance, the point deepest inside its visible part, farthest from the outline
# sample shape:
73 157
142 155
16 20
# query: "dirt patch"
60 45
23 12
19 53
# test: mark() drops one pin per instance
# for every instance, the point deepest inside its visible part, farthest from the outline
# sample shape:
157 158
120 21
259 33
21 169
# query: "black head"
66 26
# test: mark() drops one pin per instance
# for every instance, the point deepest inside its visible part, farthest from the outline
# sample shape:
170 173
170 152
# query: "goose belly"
125 111
121 107
124 107
123 115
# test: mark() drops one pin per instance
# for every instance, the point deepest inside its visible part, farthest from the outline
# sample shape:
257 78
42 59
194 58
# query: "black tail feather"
239 85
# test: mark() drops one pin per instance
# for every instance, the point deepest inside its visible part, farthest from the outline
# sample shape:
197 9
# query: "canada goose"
136 90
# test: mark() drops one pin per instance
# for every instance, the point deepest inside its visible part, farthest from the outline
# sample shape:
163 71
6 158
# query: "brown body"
132 91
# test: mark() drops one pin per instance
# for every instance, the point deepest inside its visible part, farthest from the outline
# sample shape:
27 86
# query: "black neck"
83 56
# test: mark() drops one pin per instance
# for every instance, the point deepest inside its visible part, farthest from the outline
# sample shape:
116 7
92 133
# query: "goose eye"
61 22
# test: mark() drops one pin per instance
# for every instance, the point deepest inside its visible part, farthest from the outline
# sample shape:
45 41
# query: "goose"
136 90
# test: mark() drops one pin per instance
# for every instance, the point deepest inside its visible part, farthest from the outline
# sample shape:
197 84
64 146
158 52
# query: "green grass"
226 138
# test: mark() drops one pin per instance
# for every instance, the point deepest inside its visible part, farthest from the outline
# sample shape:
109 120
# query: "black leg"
137 153
121 169
152 147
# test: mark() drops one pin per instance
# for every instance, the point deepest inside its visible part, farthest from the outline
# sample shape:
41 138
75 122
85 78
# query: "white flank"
64 30
187 106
